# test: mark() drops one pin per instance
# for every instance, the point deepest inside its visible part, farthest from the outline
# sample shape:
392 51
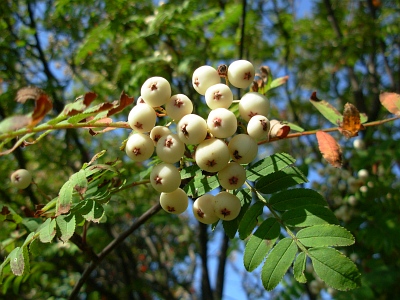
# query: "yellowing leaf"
351 124
391 101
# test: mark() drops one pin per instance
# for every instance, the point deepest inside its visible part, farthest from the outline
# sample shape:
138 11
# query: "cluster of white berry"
217 148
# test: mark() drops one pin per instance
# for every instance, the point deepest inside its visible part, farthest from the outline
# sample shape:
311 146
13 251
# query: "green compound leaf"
299 267
325 235
260 243
66 224
190 171
296 198
92 211
278 262
326 109
337 270
199 186
17 263
309 216
269 165
231 227
280 180
249 220
47 231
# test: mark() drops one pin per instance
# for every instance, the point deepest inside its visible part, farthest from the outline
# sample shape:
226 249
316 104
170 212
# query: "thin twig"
111 246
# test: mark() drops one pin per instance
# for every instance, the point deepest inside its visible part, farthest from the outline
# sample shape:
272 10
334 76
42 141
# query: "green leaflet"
260 243
325 235
295 198
92 211
66 224
326 109
249 220
17 262
79 182
280 180
309 216
299 267
337 270
278 262
47 231
199 186
190 171
268 165
231 227
64 199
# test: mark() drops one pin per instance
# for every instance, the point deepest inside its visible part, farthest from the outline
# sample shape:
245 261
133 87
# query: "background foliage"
347 51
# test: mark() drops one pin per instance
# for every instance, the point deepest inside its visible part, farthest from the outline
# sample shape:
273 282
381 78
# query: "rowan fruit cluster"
217 146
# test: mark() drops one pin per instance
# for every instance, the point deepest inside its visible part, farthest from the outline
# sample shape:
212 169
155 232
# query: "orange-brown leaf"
351 124
391 101
329 148
42 106
124 101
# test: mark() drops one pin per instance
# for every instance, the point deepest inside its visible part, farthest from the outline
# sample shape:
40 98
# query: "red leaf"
42 106
329 148
391 101
88 98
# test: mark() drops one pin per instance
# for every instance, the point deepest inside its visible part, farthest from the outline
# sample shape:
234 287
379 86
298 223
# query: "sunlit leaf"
391 101
47 231
278 262
268 165
66 224
260 243
92 211
119 105
17 262
337 270
326 109
329 148
278 82
299 267
325 235
64 198
351 124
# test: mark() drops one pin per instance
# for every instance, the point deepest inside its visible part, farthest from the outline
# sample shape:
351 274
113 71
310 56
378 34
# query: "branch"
206 291
219 287
111 246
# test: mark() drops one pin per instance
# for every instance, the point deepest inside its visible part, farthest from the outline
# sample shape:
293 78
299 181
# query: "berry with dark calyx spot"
157 132
203 209
170 148
222 123
142 118
165 178
192 129
178 106
219 96
212 155
21 179
204 77
156 91
175 202
139 147
227 206
241 73
243 148
232 176
258 127
252 104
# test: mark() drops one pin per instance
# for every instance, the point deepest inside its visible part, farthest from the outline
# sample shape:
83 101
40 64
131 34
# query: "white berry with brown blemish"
241 73
170 148
178 106
21 178
222 123
139 147
232 176
243 148
156 91
192 129
204 77
142 118
203 209
157 132
165 178
258 127
175 202
212 155
219 96
252 104
227 206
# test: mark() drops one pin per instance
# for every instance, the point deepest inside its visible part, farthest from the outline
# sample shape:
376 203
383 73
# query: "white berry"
204 77
359 144
178 106
156 91
170 148
227 206
241 73
258 127
219 96
139 147
232 176
203 209
175 202
222 123
243 148
212 155
363 174
192 129
21 179
142 118
157 132
165 178
252 104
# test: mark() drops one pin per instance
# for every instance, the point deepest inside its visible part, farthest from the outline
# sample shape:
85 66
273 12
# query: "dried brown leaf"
391 101
29 92
351 124
329 148
42 106
119 105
